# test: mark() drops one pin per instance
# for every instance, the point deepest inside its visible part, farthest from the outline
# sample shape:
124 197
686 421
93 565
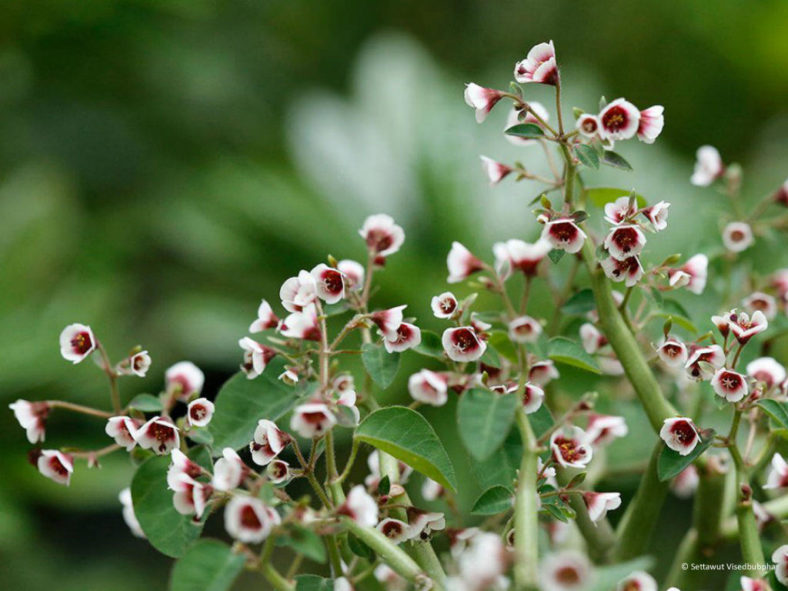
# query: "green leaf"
242 402
599 196
671 463
580 303
381 365
430 345
556 255
304 541
493 501
490 357
359 548
484 420
563 350
776 410
678 313
313 583
616 161
587 155
208 565
541 420
501 467
525 130
167 530
146 403
201 435
406 435
503 344
555 511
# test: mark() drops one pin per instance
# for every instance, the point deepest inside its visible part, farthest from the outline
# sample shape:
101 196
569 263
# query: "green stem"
687 553
635 528
526 522
777 507
708 507
626 347
389 553
277 581
599 537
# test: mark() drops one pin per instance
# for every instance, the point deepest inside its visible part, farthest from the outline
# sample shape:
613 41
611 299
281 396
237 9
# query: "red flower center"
81 342
615 118
684 432
249 518
57 467
198 412
332 280
465 339
379 240
564 231
570 450
626 238
567 575
391 529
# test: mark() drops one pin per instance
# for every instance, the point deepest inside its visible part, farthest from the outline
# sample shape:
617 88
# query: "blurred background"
164 165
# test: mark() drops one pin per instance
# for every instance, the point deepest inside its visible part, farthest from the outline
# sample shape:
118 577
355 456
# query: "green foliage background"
165 164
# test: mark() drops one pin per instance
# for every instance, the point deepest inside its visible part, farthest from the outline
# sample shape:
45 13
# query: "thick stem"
276 580
641 515
778 508
389 553
626 348
687 552
708 507
599 537
526 522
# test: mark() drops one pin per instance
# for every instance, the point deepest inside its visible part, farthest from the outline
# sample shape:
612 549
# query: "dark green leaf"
381 365
146 403
242 402
599 196
503 344
492 501
778 411
555 511
490 357
556 255
563 350
541 420
406 435
587 155
539 197
208 565
359 548
167 530
671 463
304 542
525 130
313 583
201 435
384 486
484 420
501 467
430 345
580 303
615 160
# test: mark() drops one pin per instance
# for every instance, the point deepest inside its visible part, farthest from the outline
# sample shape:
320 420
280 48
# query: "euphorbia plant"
240 457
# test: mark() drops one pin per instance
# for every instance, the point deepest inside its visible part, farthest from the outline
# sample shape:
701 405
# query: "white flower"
570 447
428 387
382 235
657 214
737 236
128 513
625 241
278 471
778 476
395 530
353 272
533 396
298 292
697 270
704 361
249 520
444 305
620 210
462 263
564 234
56 465
77 342
483 562
599 504
463 344
587 125
329 283
592 339
767 371
408 336
266 319
199 412
628 270
122 430
268 442
312 419
138 364
708 166
652 120
566 571
302 325
542 372
520 255
184 379
680 435
603 429
229 471
32 417
538 66
495 171
431 490
744 327
360 507
524 329
761 301
730 385
685 484
482 99
619 120
158 434
191 496
672 352
388 321
780 559
256 357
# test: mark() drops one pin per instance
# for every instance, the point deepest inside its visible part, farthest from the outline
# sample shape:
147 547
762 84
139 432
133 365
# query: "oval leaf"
304 541
313 583
492 501
484 420
430 345
242 402
406 435
209 565
587 155
671 463
779 412
381 365
167 530
580 303
525 130
566 351
615 160
146 403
